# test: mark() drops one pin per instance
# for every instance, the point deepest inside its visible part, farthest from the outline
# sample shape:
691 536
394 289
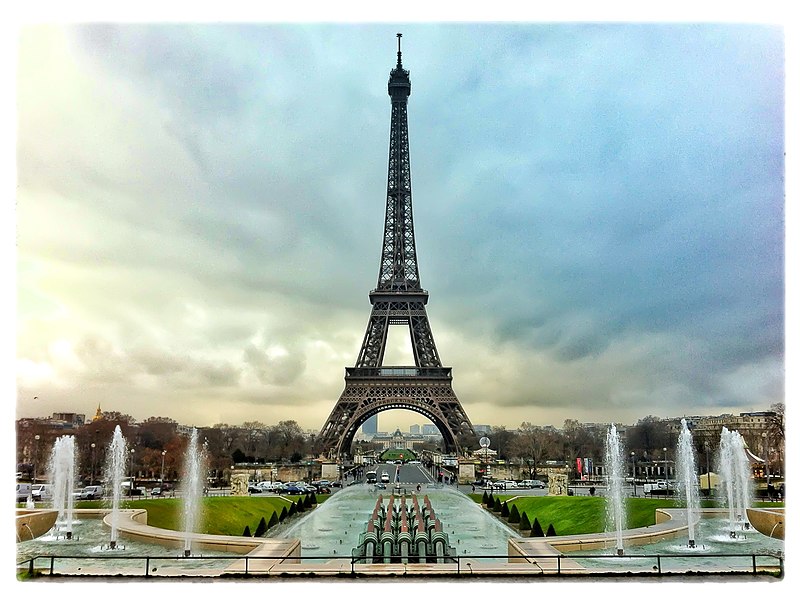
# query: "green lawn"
586 514
222 515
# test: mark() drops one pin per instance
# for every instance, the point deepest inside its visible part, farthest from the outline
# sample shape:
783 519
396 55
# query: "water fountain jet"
61 471
734 470
114 473
687 481
615 502
192 489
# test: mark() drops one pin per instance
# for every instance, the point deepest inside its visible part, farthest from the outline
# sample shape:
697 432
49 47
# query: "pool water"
91 538
333 528
715 550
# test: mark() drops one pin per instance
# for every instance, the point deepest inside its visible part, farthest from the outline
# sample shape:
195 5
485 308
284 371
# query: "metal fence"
757 564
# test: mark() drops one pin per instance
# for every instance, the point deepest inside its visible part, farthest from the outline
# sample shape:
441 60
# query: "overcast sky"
599 216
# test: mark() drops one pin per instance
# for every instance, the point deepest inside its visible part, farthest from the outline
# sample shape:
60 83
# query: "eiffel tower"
398 300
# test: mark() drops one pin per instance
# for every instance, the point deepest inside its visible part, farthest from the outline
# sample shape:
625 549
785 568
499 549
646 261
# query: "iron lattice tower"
398 299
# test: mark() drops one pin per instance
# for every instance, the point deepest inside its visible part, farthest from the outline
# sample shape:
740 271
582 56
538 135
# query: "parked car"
253 489
91 493
292 488
385 478
532 484
268 486
321 486
504 485
23 492
157 491
42 492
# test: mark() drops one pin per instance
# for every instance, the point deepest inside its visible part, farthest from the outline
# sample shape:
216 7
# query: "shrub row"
515 518
297 507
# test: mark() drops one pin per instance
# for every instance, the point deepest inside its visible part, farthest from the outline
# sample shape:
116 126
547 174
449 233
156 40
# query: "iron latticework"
398 299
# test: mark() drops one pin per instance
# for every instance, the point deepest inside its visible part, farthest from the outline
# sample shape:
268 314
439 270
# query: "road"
408 473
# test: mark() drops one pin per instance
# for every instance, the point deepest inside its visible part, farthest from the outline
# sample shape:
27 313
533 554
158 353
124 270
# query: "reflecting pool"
333 528
715 550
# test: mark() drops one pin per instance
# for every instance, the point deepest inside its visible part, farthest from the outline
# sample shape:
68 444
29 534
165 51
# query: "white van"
42 492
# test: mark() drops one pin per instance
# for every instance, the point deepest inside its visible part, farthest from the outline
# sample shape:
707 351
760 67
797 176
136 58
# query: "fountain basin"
133 524
670 524
32 523
770 522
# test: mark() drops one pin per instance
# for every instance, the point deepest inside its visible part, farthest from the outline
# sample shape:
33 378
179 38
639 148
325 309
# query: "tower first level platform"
427 391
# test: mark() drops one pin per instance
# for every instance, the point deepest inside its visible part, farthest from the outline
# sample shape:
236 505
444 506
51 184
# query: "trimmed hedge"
536 529
262 527
246 531
551 531
524 522
504 510
273 521
513 514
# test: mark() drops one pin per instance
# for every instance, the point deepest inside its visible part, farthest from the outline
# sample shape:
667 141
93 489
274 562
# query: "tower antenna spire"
399 61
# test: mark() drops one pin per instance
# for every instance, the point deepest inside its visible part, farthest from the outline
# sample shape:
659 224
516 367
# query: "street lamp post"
163 454
766 459
485 442
93 462
33 479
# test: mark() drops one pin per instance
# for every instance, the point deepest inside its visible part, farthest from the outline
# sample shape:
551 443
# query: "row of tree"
157 443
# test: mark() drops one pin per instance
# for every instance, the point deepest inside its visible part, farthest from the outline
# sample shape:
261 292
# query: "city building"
370 426
397 440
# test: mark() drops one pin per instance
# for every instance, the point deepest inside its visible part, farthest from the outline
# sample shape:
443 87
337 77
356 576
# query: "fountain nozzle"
113 545
691 544
620 552
69 535
187 552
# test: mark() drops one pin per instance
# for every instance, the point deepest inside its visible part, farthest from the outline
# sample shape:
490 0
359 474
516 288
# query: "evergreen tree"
247 531
504 509
536 529
496 507
300 506
485 499
551 531
313 499
292 509
513 514
273 520
261 529
524 522
283 514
